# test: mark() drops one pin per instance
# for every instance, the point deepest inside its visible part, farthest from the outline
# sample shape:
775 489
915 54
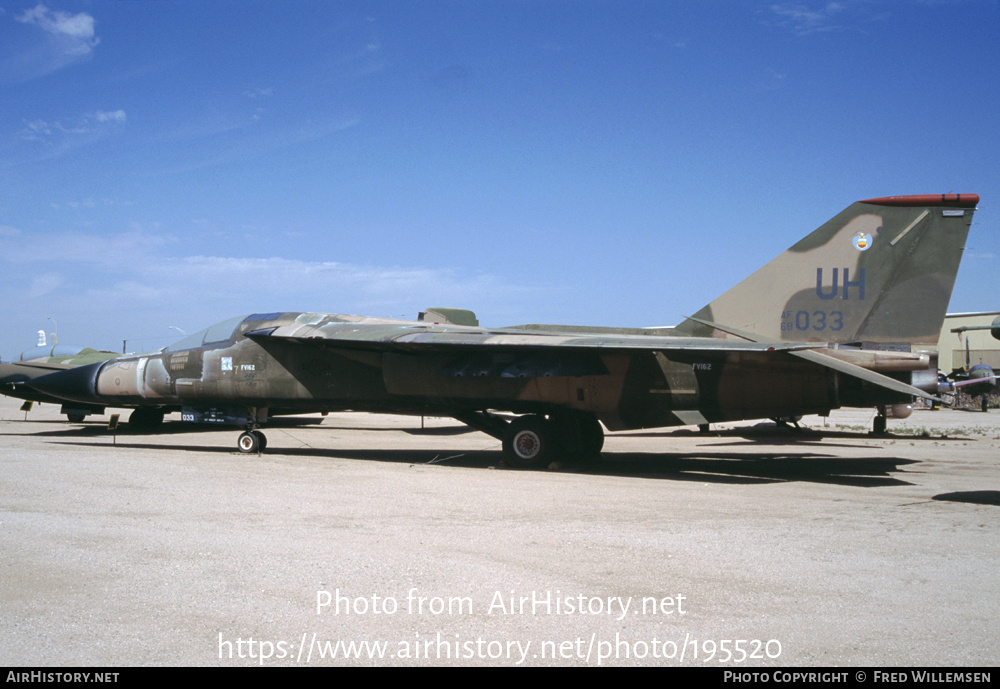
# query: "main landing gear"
879 425
529 441
145 419
535 441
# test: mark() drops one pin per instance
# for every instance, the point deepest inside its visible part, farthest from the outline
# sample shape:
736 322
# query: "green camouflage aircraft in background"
42 360
979 380
848 316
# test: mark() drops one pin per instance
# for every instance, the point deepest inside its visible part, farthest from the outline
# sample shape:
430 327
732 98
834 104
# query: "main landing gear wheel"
145 419
583 436
534 441
879 424
251 441
530 442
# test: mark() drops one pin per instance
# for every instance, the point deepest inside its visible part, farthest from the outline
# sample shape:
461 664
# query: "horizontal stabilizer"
816 356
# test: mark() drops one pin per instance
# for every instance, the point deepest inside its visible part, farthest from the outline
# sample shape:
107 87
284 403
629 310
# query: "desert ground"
357 539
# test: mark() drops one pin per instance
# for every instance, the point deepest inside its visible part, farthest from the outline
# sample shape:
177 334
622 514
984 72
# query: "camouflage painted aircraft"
43 360
849 316
977 380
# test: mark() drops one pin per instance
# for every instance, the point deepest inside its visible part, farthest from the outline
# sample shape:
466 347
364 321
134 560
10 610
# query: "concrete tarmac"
358 539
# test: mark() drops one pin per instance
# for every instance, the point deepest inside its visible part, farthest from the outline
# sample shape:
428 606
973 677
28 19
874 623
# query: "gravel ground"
370 540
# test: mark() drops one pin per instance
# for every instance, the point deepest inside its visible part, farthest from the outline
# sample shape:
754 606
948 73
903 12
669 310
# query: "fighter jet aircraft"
848 316
42 360
977 380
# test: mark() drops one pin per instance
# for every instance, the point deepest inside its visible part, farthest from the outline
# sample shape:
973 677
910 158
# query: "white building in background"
980 345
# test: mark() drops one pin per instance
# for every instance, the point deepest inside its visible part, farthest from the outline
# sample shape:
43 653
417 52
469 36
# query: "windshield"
218 334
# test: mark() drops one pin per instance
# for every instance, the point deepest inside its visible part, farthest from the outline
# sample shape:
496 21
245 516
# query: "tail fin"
880 271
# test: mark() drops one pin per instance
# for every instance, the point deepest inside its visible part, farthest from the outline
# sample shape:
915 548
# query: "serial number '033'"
812 320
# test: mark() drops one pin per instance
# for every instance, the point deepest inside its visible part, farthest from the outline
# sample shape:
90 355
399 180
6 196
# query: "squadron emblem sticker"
862 241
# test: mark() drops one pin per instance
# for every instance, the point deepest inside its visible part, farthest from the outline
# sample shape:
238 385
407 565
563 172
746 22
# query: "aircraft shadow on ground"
100 429
177 427
977 497
770 434
708 466
736 467
441 431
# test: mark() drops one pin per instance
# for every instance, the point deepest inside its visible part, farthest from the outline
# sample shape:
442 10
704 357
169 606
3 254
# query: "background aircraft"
848 316
978 380
42 360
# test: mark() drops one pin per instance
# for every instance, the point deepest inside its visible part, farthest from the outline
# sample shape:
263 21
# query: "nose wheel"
251 441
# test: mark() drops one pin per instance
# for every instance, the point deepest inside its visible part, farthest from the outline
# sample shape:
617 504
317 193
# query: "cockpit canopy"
51 350
220 334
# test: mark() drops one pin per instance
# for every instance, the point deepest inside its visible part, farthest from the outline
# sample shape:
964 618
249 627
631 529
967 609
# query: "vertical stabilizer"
880 271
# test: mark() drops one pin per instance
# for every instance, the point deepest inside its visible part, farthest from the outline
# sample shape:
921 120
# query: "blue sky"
170 164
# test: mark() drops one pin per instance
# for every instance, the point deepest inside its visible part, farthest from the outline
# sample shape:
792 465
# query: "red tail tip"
960 200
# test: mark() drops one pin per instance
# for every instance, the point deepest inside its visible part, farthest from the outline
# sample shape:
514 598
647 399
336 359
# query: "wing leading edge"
415 338
412 338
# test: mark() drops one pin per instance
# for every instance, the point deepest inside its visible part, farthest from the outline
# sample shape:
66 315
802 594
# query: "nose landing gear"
251 441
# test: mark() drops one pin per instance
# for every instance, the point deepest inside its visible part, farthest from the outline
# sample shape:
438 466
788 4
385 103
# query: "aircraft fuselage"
624 389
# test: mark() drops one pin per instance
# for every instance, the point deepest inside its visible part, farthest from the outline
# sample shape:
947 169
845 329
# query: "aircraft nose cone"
74 384
980 372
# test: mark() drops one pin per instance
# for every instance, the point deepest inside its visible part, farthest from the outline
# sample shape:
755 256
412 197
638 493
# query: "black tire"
75 418
530 442
145 419
248 442
589 438
262 439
